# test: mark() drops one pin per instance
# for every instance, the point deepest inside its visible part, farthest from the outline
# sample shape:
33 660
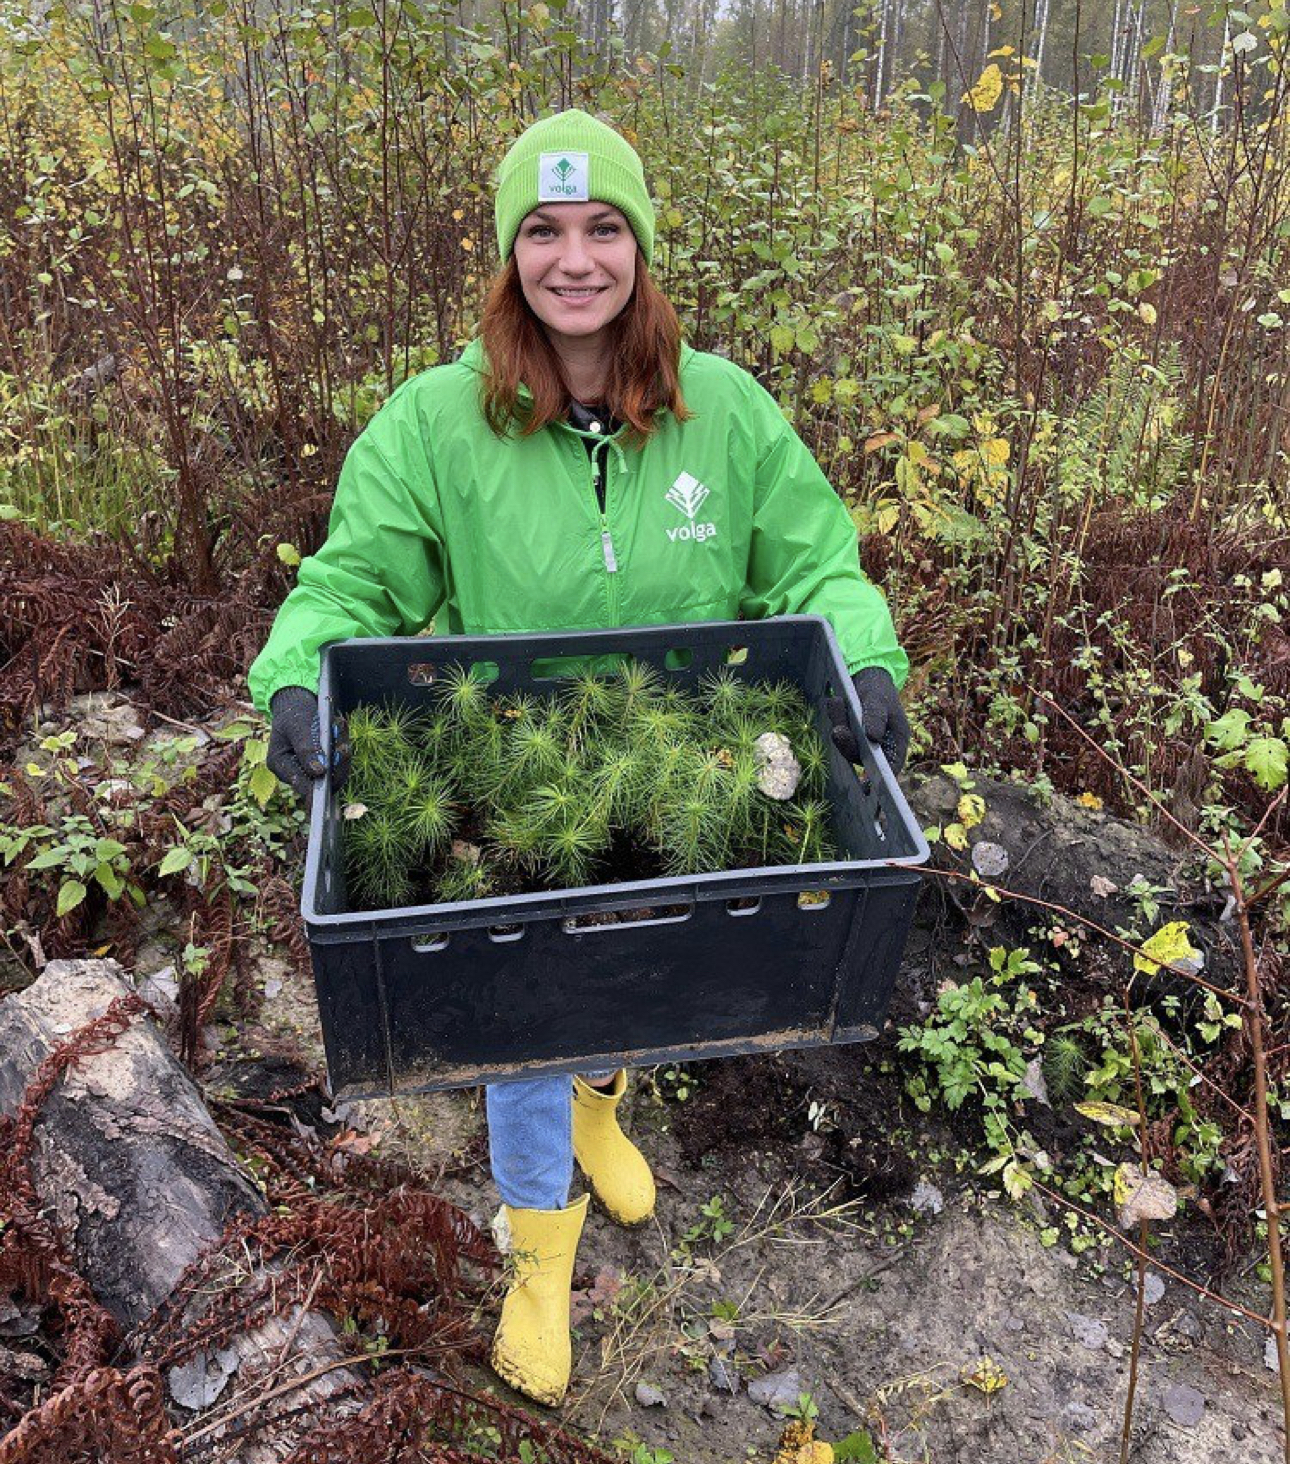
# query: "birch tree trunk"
1160 111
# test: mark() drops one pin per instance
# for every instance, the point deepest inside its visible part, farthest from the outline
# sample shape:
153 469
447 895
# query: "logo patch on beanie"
562 177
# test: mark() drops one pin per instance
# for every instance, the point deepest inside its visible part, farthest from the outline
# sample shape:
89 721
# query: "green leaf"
1266 760
49 859
110 880
1230 730
108 849
234 731
263 783
160 48
69 896
176 861
289 555
781 339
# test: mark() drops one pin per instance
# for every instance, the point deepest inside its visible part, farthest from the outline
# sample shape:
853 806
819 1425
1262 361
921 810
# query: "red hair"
645 360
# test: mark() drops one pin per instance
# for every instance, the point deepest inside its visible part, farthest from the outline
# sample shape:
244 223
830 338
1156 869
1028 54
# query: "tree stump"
141 1182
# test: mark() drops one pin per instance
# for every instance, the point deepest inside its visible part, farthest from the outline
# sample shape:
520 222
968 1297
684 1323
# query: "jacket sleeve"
381 570
803 558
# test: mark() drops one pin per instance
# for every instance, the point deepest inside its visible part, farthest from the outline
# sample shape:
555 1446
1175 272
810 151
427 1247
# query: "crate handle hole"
422 673
814 900
434 940
736 655
678 659
485 672
560 668
744 905
595 922
503 933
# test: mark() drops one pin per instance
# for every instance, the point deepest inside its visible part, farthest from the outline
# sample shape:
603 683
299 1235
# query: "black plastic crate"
747 960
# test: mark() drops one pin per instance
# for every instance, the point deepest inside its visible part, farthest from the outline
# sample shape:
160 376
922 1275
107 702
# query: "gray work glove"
295 743
884 718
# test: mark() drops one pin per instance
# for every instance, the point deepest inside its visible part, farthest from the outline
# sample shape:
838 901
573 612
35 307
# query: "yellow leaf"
955 836
1167 947
34 770
986 1376
878 440
984 96
289 555
467 243
1147 313
1109 1115
1089 800
971 810
995 451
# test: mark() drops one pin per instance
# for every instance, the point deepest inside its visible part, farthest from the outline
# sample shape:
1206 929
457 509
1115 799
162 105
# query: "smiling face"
577 268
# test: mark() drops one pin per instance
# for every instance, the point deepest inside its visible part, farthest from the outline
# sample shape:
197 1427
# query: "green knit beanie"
571 158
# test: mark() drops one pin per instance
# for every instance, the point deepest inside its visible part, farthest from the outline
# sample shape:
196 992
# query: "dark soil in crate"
762 1105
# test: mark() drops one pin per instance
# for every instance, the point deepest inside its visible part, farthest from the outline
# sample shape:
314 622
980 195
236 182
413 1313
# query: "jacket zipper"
606 539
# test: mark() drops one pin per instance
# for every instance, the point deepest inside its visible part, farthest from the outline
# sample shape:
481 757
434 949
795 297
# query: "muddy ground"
908 1300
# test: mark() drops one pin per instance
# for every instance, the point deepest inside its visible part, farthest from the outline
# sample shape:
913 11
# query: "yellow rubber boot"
615 1168
531 1350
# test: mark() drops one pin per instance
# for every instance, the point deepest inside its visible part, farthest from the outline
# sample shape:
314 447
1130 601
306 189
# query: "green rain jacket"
721 516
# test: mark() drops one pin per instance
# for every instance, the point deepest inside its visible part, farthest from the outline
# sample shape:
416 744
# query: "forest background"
1019 273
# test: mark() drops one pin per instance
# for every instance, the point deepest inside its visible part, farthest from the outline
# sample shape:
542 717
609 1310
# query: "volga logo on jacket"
687 494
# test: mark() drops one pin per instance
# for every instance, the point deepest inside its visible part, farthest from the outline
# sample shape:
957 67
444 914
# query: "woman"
578 467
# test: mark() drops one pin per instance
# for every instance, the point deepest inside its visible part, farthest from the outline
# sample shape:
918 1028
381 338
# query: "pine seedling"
807 832
549 806
434 739
379 742
426 807
571 849
689 837
478 763
636 685
780 706
725 696
465 879
813 758
620 786
588 702
515 839
1065 1064
533 751
378 855
463 699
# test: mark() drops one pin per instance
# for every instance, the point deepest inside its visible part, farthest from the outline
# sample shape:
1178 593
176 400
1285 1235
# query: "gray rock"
1153 1288
1184 1404
778 771
1270 1354
1079 1417
197 1384
1088 1331
989 860
1035 1083
723 1375
778 1391
926 1199
648 1396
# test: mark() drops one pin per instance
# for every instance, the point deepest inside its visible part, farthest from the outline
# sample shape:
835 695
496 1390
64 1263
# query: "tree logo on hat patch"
562 178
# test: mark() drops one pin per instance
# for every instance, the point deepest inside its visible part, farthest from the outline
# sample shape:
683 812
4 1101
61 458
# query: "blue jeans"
530 1140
